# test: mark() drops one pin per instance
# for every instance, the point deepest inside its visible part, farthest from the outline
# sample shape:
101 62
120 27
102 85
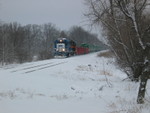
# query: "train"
64 47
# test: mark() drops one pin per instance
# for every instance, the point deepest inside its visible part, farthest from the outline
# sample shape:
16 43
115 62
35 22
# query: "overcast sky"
63 13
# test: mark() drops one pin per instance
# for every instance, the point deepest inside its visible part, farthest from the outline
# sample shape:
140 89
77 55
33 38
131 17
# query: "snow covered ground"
80 84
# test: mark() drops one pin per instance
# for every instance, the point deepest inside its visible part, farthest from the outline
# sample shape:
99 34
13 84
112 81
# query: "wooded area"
20 44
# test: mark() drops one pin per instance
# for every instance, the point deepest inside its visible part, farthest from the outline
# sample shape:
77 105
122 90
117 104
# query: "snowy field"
80 84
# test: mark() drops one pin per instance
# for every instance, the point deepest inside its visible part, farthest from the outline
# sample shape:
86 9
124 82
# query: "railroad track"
41 68
34 68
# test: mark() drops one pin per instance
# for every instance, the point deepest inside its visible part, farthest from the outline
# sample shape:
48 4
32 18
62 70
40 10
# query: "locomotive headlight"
63 49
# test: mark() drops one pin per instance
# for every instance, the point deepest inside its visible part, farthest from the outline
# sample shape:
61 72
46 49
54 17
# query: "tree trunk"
3 56
142 88
137 71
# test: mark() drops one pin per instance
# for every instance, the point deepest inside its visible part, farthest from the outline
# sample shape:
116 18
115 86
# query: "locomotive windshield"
61 47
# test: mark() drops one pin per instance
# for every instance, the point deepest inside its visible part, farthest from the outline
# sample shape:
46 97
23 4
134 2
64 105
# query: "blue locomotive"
64 47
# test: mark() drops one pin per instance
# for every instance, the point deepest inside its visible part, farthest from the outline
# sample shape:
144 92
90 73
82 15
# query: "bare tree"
6 48
49 34
123 23
79 35
32 41
3 43
63 34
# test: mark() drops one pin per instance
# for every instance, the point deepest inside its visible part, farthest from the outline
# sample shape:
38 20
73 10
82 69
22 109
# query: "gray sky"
63 13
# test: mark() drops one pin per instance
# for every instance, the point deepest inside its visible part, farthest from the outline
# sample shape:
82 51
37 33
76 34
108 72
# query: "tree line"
126 27
20 44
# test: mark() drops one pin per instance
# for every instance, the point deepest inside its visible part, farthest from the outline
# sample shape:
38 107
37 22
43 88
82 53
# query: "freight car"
87 48
82 49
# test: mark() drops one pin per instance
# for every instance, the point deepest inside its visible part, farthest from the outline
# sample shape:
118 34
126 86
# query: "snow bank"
80 84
